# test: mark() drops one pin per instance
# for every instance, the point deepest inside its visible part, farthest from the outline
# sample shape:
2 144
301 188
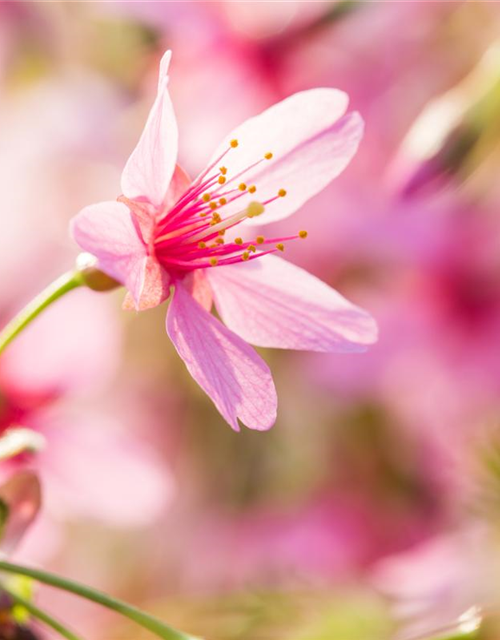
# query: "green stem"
53 292
141 618
42 616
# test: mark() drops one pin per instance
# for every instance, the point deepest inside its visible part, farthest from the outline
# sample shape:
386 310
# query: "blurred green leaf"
271 615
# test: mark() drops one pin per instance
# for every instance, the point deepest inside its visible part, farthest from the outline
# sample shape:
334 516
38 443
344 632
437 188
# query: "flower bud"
91 276
453 135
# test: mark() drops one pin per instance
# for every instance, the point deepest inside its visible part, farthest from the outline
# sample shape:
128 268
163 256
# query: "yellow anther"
223 170
222 202
216 217
221 180
222 232
252 189
213 261
204 214
245 255
252 248
255 209
202 245
260 239
238 241
219 240
234 143
268 155
206 197
213 206
302 234
242 186
280 246
282 193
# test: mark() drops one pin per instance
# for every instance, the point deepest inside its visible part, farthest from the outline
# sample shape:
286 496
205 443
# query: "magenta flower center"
191 234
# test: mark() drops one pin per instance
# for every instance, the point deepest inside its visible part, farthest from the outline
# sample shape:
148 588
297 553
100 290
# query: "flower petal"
271 303
179 184
155 288
107 231
198 286
237 380
150 167
311 139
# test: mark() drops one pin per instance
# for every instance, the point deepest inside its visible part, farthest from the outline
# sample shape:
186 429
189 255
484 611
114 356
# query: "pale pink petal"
311 139
237 380
149 169
198 286
272 303
155 288
107 231
22 496
179 184
143 216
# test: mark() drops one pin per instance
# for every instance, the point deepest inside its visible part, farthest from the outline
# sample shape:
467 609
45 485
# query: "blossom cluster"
307 192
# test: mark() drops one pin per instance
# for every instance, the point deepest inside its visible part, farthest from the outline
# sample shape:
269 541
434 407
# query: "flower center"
191 235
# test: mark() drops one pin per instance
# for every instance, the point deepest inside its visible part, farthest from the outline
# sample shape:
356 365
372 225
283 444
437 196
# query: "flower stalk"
143 619
84 275
65 283
42 616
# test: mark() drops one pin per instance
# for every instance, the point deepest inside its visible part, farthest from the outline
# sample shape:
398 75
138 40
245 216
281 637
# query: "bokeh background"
371 509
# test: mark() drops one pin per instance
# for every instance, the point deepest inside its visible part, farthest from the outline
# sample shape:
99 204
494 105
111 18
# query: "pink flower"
438 584
45 393
167 231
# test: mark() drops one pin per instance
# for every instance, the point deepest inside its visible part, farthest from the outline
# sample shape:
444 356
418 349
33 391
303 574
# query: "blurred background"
371 509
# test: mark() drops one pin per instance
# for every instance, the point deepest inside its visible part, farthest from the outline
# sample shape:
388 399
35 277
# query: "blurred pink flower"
326 540
441 582
20 497
89 465
436 366
316 543
49 165
165 231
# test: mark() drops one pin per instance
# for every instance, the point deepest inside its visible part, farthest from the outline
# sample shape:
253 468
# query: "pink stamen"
189 235
243 171
189 266
211 166
189 196
266 202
